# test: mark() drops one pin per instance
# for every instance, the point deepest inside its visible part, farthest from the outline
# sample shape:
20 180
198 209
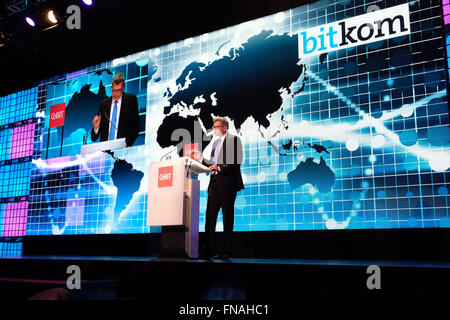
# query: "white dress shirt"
221 145
218 150
119 103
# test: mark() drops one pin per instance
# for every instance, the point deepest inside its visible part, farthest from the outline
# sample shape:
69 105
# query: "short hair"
221 119
119 77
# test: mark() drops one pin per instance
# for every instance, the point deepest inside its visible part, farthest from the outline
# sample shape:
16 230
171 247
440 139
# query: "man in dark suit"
224 184
117 116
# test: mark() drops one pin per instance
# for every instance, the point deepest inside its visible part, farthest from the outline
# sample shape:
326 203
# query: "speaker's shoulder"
232 137
106 102
127 95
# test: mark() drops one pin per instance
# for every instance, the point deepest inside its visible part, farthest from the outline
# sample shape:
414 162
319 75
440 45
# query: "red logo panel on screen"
57 115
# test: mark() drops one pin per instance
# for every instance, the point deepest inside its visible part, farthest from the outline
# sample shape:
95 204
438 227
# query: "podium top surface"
104 145
194 166
191 165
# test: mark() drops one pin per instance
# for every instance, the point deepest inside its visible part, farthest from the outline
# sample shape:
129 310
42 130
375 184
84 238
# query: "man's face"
219 128
117 90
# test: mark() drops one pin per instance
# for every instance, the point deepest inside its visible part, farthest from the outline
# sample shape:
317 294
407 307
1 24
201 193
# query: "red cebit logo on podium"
165 176
57 115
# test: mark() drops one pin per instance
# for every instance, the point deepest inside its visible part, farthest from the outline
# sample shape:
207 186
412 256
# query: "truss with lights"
16 6
34 13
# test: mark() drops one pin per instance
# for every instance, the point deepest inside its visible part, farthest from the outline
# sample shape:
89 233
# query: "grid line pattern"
18 106
10 248
17 135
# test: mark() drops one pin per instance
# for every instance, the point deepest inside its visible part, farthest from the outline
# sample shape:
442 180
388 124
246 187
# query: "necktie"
216 154
112 130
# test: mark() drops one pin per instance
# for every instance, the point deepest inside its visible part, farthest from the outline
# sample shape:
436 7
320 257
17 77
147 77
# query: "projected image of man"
117 116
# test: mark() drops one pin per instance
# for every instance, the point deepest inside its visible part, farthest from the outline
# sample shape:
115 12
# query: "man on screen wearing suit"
224 184
117 116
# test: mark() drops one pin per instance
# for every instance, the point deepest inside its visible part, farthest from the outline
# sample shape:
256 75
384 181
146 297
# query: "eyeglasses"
117 90
215 127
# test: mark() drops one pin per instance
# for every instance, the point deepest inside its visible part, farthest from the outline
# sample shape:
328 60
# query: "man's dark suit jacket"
229 161
128 119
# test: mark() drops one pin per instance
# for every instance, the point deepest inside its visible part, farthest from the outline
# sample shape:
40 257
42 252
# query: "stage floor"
300 262
127 277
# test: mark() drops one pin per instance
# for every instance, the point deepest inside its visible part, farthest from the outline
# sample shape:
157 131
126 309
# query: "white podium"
173 198
102 146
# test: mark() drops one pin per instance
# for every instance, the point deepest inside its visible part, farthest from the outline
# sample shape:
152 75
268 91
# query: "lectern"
103 146
173 200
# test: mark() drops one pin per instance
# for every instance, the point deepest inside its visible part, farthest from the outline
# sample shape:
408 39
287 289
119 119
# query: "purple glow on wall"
75 212
76 74
22 141
446 6
15 219
95 165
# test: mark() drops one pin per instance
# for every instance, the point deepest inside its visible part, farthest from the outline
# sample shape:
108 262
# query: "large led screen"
341 107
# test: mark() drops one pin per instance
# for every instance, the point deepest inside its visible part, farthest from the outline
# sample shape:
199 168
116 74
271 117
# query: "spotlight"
88 2
30 21
51 17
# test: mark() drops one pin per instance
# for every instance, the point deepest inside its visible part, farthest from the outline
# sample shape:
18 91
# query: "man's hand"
214 168
96 122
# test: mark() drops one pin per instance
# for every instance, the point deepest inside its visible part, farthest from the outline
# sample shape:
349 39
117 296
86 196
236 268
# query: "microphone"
187 167
168 153
109 120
